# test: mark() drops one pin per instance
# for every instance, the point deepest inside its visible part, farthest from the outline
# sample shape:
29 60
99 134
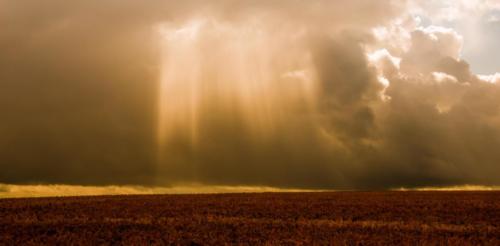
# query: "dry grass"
351 218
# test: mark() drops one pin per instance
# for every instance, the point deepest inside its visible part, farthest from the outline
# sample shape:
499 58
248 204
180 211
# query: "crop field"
339 218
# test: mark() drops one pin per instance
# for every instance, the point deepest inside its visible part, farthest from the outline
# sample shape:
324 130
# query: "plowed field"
350 218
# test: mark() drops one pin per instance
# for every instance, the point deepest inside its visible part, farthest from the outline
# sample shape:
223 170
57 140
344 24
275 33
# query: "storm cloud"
292 94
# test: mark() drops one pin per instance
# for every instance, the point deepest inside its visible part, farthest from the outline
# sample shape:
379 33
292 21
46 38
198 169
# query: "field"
351 218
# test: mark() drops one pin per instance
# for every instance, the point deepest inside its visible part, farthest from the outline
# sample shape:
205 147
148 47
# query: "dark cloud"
77 83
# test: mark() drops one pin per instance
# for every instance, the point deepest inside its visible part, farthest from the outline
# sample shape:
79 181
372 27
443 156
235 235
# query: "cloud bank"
293 94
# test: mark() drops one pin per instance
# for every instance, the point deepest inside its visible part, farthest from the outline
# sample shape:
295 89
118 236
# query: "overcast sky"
290 94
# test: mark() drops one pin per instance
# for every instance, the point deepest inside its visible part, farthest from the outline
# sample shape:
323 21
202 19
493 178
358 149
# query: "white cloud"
493 78
441 77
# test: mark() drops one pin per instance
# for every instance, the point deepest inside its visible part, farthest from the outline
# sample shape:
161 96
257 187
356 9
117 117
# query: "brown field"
352 218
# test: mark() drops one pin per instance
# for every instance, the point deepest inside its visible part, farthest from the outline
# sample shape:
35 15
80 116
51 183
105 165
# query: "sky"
477 21
288 94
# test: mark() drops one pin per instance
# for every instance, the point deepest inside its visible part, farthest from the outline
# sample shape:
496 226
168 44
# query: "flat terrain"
352 218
